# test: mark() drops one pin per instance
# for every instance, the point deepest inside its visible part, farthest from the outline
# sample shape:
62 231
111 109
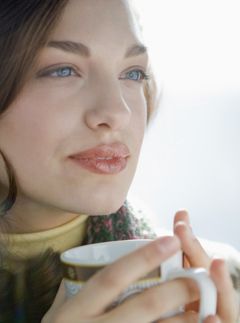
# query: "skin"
147 307
57 117
53 118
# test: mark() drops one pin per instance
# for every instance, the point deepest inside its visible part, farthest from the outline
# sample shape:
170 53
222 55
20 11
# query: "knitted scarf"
125 224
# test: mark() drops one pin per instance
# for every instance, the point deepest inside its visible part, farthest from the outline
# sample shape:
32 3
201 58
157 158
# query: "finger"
212 319
188 317
157 301
104 287
227 307
182 215
192 248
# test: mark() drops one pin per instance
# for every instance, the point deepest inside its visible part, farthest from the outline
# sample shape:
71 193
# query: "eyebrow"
70 47
82 50
136 50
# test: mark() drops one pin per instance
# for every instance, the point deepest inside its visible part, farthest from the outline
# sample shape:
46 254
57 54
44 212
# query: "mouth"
103 159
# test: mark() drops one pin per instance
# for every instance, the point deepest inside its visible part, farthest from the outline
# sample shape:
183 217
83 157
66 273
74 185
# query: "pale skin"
100 101
151 304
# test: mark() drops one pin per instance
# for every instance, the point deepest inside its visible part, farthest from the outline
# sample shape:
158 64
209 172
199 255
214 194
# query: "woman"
75 101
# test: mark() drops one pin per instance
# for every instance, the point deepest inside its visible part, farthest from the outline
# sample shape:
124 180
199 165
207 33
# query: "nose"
109 109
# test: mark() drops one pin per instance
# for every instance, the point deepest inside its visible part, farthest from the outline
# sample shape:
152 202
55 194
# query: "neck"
27 216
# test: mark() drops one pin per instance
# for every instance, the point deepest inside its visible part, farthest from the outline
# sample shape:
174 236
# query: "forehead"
98 23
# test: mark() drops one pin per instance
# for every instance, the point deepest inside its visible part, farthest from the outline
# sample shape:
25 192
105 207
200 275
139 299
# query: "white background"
191 153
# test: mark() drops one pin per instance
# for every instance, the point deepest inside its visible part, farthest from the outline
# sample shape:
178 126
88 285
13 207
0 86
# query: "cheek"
27 150
139 117
29 137
38 119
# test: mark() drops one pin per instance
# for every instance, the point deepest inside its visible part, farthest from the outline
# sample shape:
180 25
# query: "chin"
106 208
102 205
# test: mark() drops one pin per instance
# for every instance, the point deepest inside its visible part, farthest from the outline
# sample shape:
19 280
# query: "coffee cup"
80 263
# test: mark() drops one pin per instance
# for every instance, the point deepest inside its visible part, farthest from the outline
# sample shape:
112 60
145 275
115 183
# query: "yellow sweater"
68 235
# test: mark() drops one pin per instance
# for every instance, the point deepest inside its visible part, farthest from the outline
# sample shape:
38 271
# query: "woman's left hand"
196 256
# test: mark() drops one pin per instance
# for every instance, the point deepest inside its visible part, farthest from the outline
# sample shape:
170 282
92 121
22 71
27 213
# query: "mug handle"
208 291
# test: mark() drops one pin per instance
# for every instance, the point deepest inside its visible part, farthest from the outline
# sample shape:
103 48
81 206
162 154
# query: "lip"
103 159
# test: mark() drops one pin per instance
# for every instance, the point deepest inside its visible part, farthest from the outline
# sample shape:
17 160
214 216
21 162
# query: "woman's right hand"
90 304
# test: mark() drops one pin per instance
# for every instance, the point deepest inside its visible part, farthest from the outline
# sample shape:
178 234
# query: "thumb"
60 297
57 303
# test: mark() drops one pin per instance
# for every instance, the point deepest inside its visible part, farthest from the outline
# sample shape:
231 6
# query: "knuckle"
150 254
186 317
191 317
108 277
150 301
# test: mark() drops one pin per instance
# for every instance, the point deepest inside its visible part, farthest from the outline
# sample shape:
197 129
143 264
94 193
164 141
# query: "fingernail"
182 210
180 223
186 213
168 244
187 227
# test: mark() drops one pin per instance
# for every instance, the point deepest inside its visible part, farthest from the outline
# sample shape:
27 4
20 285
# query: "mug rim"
66 258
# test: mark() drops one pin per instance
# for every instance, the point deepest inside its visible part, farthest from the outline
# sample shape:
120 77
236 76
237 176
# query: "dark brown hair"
25 26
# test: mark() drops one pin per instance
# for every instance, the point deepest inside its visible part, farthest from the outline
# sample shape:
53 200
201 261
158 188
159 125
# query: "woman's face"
85 99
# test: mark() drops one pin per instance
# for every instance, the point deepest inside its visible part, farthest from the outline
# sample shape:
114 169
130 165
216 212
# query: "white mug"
80 263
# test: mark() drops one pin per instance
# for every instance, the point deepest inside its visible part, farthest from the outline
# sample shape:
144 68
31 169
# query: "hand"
90 304
195 256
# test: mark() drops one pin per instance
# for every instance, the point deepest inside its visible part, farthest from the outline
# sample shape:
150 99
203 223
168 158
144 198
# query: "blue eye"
136 75
62 72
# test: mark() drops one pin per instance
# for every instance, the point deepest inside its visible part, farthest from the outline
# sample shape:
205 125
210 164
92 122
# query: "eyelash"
144 75
49 73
